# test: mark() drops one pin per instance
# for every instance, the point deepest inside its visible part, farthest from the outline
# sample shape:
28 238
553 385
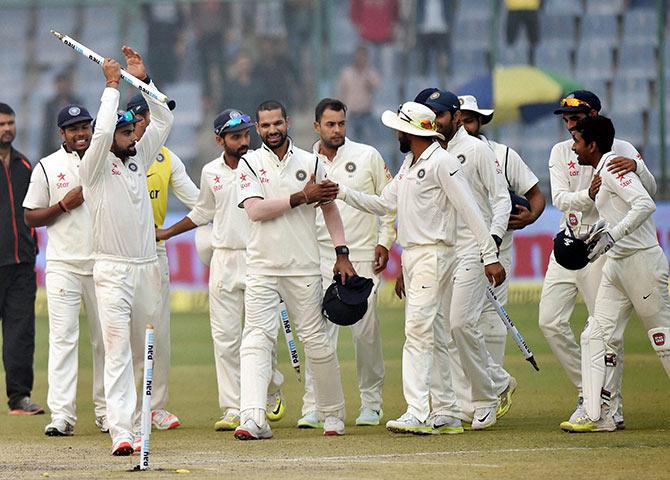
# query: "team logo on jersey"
461 158
567 241
421 173
160 158
74 111
573 221
350 167
132 166
301 175
659 339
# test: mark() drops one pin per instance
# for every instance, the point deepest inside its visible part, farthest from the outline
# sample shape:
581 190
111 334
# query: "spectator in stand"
275 73
433 35
524 14
165 34
375 19
356 87
207 18
51 139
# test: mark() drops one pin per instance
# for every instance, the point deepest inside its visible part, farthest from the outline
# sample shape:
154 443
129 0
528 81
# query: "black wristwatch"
342 250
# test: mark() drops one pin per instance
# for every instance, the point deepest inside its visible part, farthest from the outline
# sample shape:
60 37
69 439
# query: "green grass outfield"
526 444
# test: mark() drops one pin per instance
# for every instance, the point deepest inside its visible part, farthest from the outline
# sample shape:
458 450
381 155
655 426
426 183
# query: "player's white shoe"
137 443
274 407
164 420
333 426
229 422
483 418
310 420
59 427
445 424
584 424
408 423
250 431
123 445
505 398
369 417
101 423
580 412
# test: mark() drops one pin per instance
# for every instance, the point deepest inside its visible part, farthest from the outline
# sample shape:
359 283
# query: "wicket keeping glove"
599 245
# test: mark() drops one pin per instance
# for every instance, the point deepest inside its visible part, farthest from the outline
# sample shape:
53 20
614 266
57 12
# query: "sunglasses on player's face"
574 102
422 124
126 116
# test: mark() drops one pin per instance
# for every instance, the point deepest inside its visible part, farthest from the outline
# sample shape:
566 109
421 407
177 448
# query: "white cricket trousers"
640 282
468 351
65 292
128 297
226 314
428 271
159 392
367 342
303 296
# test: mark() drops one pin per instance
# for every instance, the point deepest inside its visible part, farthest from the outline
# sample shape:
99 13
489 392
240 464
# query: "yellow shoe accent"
275 408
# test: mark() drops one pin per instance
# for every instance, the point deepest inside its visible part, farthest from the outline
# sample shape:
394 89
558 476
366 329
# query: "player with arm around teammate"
55 200
126 271
369 238
573 193
276 185
430 192
166 170
634 276
522 181
217 203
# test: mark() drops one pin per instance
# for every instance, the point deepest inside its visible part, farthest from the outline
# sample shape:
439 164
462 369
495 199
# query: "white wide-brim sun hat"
469 102
412 118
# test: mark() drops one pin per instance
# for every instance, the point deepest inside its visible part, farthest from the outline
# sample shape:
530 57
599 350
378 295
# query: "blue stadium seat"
629 96
600 29
606 7
594 61
640 26
554 57
629 127
637 61
560 29
564 7
516 54
473 32
473 62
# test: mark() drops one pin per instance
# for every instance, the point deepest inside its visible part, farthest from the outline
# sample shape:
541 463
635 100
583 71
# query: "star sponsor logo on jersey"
115 169
218 186
301 175
572 168
132 166
387 172
244 183
623 181
264 176
498 167
61 183
350 167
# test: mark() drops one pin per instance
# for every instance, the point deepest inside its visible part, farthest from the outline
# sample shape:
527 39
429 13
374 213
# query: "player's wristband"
342 250
62 206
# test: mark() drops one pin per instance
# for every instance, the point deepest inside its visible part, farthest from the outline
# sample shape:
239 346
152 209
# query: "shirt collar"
289 151
341 149
603 160
460 134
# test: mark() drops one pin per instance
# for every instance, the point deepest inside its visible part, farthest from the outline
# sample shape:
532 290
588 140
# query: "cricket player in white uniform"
522 181
634 276
276 185
432 196
126 271
572 194
217 203
55 200
360 167
475 388
166 170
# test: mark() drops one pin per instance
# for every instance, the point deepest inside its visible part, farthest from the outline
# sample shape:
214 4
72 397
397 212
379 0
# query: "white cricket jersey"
626 206
429 195
217 203
487 184
570 182
517 174
116 192
362 168
287 244
70 238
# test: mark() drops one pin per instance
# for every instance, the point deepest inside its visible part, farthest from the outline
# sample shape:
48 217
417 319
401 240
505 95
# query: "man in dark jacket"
17 272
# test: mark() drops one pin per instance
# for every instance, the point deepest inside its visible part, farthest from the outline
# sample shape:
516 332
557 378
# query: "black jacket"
17 241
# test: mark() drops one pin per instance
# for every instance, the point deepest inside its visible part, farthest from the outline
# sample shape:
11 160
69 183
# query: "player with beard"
126 271
55 200
217 203
370 237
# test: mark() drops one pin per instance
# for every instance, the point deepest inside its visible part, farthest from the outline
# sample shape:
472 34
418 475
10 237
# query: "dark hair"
268 105
329 104
6 109
597 129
